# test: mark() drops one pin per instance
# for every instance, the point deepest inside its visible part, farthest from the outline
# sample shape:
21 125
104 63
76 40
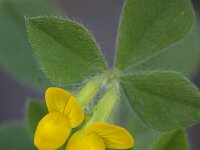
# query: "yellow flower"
64 114
99 136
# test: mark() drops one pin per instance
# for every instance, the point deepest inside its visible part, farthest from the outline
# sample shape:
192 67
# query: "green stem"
89 91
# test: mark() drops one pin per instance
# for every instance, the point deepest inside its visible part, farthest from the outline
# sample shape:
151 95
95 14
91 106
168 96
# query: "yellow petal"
52 131
56 99
74 112
82 141
60 100
114 136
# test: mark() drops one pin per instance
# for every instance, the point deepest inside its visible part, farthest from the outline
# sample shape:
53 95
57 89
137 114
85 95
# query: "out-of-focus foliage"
16 55
15 137
34 112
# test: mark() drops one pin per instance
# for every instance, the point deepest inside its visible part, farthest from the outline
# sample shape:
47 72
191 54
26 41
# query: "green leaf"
16 55
15 137
148 27
172 141
174 57
145 138
36 110
66 51
163 100
63 147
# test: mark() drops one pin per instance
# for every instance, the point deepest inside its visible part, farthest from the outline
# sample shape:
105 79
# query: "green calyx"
89 91
106 104
108 100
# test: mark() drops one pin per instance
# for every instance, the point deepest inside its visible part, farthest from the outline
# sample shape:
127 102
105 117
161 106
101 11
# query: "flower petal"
74 112
113 136
60 100
56 99
52 131
82 141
